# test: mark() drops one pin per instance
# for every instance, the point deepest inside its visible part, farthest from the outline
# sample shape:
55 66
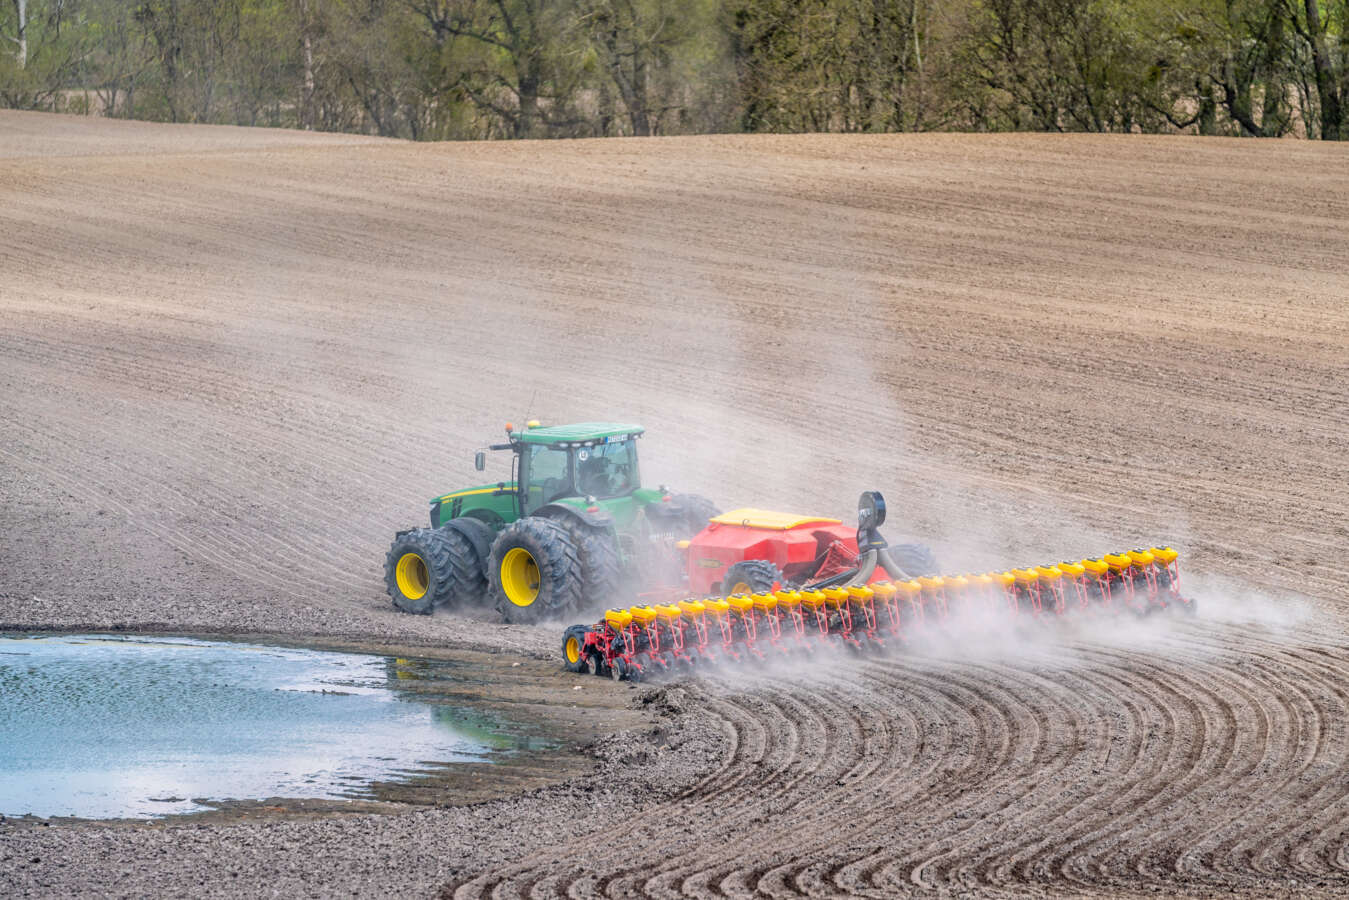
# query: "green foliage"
42 73
466 69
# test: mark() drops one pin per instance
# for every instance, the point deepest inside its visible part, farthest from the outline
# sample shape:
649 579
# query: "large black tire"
421 569
757 575
551 557
600 568
915 559
697 511
469 586
470 564
574 648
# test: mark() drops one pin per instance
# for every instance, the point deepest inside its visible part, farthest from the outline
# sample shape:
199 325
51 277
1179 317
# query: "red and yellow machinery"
873 616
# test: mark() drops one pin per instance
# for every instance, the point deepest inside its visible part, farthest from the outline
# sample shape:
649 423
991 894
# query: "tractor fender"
593 519
477 533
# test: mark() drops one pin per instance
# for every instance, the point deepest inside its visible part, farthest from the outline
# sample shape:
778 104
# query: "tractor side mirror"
480 460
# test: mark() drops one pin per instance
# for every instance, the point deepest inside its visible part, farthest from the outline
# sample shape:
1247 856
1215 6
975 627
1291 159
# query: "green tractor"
572 528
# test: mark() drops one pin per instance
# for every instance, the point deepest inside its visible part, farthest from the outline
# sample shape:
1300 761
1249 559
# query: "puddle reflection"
102 727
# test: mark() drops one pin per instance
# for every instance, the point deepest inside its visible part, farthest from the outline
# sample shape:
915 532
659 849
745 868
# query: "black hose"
866 567
841 578
895 570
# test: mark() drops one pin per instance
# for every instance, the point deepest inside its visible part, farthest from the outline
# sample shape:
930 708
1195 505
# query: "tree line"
464 69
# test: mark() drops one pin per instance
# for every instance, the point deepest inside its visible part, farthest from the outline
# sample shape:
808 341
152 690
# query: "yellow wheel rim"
411 575
573 650
520 576
741 588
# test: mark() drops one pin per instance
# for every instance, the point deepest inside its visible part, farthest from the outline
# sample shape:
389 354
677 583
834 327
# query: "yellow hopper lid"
766 518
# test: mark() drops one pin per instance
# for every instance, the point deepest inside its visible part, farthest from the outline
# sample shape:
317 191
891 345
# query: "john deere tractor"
564 534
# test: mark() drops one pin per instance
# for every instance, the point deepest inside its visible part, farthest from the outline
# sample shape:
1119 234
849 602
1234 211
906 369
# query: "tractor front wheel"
535 571
420 571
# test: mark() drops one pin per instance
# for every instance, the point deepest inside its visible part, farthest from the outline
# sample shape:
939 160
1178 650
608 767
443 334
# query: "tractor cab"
578 465
583 466
591 461
571 524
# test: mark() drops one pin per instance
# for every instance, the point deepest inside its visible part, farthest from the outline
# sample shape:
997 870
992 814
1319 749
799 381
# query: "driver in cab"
598 477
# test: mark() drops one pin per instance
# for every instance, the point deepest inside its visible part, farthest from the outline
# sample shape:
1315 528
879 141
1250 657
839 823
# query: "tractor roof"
581 432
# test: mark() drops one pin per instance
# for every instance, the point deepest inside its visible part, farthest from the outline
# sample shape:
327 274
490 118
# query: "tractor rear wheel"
698 510
420 570
598 552
535 572
750 576
574 648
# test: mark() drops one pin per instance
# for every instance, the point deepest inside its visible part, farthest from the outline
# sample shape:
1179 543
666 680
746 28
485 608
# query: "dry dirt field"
233 361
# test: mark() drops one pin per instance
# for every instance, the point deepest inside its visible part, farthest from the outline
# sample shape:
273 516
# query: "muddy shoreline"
543 703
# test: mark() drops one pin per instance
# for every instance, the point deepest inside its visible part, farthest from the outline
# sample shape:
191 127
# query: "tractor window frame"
603 449
531 501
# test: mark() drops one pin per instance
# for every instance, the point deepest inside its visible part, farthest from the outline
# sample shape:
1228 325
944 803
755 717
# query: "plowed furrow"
706 870
1010 735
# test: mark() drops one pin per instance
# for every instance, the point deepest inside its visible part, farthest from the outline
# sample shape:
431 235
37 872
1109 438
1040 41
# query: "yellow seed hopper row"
640 641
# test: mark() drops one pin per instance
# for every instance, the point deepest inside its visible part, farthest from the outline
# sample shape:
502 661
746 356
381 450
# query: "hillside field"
233 361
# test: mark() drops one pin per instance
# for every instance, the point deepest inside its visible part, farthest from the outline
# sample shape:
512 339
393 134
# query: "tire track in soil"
1308 742
730 801
751 741
990 796
741 799
702 886
917 801
876 750
1193 729
664 878
962 871
726 806
1224 730
1150 827
824 812
1333 815
1261 758
1184 696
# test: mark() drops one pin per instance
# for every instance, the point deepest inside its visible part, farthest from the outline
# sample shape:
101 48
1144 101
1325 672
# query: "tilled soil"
233 361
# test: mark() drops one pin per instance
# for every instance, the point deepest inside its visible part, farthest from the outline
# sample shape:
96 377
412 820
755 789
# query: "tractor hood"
495 504
498 487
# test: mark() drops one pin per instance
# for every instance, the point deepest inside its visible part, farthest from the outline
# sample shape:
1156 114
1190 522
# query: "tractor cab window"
548 476
607 470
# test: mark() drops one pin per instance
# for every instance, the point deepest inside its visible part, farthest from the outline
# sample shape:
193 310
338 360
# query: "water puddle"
98 726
